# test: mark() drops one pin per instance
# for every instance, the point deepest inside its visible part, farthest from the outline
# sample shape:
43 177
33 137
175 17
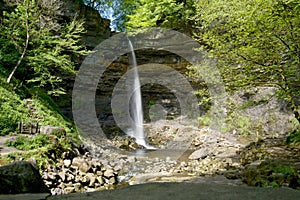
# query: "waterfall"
136 108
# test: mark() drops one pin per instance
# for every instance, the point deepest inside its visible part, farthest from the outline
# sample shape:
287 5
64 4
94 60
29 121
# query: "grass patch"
21 104
12 110
251 103
45 149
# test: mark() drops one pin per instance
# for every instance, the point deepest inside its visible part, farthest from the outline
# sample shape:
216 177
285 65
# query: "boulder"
21 177
109 173
82 164
199 154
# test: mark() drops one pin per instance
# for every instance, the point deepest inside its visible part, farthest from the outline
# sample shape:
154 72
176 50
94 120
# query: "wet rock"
126 143
21 177
232 174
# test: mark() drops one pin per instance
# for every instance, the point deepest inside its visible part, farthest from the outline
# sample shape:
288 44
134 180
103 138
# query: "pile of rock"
80 174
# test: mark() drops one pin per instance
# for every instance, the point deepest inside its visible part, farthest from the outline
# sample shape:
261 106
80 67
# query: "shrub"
293 138
12 110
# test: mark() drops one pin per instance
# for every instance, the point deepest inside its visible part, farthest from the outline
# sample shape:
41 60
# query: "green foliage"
46 149
256 42
122 10
164 13
240 124
115 10
236 121
31 105
293 138
37 47
152 102
41 51
8 56
47 112
204 121
12 110
25 143
252 103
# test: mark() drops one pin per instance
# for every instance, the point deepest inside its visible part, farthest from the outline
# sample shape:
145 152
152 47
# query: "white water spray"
136 105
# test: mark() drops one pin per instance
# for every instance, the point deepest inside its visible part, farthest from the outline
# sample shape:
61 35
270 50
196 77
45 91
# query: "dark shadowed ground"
171 191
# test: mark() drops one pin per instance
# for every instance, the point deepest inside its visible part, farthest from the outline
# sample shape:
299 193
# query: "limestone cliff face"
97 27
153 95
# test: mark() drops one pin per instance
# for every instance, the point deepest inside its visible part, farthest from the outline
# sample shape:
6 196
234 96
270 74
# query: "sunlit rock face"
263 112
97 28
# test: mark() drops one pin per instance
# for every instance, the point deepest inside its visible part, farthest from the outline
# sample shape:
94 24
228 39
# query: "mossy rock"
21 177
271 174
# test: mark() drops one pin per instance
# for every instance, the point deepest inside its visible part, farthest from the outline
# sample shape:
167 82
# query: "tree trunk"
24 50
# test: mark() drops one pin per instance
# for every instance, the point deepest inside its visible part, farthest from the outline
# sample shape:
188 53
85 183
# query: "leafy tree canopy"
35 48
256 42
165 13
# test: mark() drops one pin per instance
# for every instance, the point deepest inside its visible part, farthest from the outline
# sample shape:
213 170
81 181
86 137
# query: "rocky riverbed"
209 155
120 161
